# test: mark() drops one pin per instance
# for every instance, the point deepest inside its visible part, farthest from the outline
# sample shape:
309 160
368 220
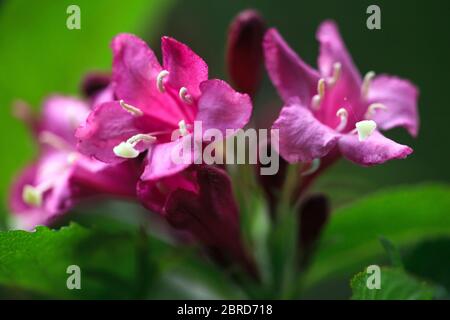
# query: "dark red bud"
94 82
245 52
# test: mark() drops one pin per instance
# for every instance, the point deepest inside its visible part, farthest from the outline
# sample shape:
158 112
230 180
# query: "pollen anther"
185 96
127 150
131 109
365 129
160 79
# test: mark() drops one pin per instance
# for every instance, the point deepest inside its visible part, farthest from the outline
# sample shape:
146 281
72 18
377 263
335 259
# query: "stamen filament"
317 99
127 150
371 110
343 114
366 83
337 68
315 165
131 109
51 139
159 81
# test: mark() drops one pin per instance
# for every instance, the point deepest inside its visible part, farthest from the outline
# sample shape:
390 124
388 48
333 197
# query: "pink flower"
61 176
154 102
334 107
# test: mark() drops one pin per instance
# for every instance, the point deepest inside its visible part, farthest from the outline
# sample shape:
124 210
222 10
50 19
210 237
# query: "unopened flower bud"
244 51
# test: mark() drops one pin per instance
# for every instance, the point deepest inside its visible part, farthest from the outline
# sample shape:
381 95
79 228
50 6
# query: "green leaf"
38 261
392 252
395 285
430 260
405 215
114 265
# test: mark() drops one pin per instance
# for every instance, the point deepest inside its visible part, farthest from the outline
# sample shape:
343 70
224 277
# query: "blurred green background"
40 56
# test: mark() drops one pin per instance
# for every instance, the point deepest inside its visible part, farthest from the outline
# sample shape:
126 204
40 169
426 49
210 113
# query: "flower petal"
377 149
186 68
332 50
302 137
220 107
166 159
400 97
154 194
107 126
292 77
61 116
135 69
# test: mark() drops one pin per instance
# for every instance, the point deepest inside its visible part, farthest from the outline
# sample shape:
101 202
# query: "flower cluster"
117 142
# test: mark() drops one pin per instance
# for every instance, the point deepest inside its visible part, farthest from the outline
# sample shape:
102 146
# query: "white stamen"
317 99
185 96
183 128
337 68
159 81
371 110
141 137
72 157
127 150
131 109
343 114
366 83
315 164
51 139
32 196
365 129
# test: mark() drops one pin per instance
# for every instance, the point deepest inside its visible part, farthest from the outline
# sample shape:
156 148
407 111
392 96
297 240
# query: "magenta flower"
154 102
335 106
61 176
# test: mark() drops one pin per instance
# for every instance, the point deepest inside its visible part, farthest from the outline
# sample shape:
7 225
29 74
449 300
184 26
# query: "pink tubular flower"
62 176
335 106
154 102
